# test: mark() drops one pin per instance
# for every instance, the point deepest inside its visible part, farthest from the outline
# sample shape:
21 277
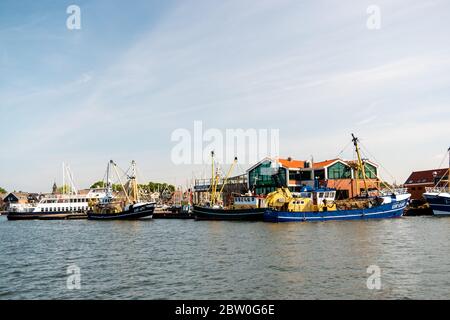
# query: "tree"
101 184
64 189
98 184
3 190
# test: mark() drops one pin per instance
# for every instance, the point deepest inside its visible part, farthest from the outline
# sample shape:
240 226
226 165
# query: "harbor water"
186 259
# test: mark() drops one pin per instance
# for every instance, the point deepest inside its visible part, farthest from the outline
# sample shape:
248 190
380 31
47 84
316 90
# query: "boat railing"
436 189
387 192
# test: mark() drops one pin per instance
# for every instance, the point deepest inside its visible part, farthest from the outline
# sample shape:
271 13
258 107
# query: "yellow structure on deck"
283 200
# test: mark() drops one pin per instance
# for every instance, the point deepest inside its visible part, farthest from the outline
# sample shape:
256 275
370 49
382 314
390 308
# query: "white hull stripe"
441 213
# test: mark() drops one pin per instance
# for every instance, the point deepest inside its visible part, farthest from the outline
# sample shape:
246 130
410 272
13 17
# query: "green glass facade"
262 179
371 171
339 171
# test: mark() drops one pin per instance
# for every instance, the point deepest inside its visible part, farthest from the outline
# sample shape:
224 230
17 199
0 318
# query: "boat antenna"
213 181
361 166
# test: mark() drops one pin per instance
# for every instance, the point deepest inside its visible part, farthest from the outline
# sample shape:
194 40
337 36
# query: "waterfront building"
16 198
295 174
261 178
419 180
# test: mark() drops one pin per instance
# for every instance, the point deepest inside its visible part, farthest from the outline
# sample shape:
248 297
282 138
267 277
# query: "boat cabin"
249 202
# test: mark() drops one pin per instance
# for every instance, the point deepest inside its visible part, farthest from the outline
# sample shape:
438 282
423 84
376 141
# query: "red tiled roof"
323 164
425 176
290 163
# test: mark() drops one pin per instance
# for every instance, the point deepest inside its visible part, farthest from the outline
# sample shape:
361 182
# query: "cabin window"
320 194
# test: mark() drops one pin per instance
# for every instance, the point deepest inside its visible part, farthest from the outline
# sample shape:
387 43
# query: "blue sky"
136 72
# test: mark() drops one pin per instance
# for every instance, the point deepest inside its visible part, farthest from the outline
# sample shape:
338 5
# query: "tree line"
149 187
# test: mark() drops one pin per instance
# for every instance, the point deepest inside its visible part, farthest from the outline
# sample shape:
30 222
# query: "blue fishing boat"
387 206
438 197
315 204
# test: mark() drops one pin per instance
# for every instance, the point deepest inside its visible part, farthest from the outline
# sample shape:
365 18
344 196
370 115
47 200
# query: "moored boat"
130 207
321 205
130 212
438 197
244 207
69 204
385 206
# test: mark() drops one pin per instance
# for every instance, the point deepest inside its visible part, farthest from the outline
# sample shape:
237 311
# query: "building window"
339 171
319 174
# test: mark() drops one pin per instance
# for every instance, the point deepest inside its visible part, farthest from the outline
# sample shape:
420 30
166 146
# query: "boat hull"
45 216
391 210
439 203
202 213
145 211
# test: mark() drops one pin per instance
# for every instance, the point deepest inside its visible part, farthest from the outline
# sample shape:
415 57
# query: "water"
185 259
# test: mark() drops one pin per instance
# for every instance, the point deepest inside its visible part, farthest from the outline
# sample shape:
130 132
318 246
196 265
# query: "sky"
137 71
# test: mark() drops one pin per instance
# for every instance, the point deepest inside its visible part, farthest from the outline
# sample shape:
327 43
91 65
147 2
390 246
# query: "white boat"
56 204
70 201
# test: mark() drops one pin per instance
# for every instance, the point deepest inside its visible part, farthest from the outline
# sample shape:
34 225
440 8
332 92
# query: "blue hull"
391 210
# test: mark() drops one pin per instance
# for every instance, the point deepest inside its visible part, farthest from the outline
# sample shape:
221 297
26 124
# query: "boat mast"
213 181
108 184
63 179
120 181
361 166
228 174
133 182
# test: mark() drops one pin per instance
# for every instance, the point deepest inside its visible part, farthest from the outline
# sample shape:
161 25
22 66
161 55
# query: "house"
16 198
418 181
296 174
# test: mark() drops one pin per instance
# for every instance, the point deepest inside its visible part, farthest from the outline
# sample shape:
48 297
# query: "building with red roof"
266 175
419 180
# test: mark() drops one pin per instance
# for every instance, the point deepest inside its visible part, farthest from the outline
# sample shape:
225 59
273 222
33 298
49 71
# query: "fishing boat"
438 196
320 204
129 207
244 207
